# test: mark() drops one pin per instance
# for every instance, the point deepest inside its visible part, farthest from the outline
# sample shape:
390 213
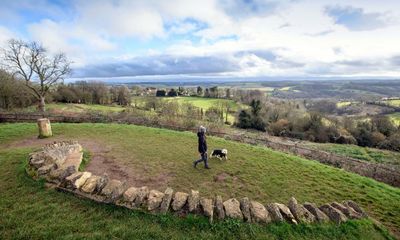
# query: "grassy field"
395 117
362 153
200 102
395 103
164 158
75 108
343 104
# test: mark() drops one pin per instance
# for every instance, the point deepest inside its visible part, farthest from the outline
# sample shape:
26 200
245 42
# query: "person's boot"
207 167
195 164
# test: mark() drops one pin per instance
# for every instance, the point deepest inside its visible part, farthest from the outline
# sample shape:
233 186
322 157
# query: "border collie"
220 153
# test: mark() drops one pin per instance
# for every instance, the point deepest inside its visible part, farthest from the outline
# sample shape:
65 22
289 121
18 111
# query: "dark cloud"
356 19
160 65
246 8
395 60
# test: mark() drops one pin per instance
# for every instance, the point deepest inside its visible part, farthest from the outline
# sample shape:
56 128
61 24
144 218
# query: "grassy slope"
362 153
260 174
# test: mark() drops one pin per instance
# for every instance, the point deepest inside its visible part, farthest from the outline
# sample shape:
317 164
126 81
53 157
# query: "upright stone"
334 214
193 200
166 202
141 196
232 209
286 213
276 215
208 208
44 128
245 207
348 211
300 213
180 199
318 214
259 213
154 200
357 208
81 181
219 208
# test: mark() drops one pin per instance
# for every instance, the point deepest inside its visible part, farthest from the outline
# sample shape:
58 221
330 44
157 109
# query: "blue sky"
156 39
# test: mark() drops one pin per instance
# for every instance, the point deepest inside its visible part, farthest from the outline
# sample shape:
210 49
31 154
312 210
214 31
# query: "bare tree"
40 70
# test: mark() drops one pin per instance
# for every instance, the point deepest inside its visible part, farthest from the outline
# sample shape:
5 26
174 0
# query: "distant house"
150 91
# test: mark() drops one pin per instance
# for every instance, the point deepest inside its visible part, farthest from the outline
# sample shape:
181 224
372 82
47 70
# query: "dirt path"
103 161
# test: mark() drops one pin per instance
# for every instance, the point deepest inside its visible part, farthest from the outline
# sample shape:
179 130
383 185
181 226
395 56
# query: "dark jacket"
202 142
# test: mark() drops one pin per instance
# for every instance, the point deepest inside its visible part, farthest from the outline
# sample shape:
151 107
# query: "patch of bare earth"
104 161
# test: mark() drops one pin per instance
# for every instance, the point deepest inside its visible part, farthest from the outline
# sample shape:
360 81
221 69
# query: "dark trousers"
204 159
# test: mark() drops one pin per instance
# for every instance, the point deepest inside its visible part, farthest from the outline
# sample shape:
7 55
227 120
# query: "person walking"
201 134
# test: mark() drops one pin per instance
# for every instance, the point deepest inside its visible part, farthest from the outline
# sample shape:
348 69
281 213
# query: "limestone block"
232 208
44 128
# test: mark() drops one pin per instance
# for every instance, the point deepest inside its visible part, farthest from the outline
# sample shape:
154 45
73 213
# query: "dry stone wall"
58 163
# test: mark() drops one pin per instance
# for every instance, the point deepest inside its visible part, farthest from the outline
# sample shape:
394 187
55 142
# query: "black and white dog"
220 153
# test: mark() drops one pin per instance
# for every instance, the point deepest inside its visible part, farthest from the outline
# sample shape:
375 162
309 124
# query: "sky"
226 39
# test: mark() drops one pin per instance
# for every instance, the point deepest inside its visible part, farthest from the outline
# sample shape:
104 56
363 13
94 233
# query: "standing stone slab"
130 194
286 213
90 184
80 181
232 209
245 208
356 208
193 200
207 207
69 181
180 199
44 128
113 190
301 214
334 214
259 213
348 211
219 208
275 213
141 197
101 183
166 202
154 200
318 214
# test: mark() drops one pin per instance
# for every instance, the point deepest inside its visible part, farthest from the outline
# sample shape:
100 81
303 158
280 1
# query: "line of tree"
92 93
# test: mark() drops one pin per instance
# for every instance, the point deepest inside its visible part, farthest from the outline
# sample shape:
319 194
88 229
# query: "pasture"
159 158
362 153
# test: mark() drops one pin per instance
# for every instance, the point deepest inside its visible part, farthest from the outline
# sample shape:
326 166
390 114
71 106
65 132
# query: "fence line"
386 173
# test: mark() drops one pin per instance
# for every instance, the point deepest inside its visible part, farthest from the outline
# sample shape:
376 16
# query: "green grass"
75 108
395 103
343 104
28 209
395 117
200 102
362 153
204 103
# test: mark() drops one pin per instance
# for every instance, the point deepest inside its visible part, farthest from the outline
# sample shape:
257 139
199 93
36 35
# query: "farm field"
395 117
394 102
159 158
362 153
200 102
74 108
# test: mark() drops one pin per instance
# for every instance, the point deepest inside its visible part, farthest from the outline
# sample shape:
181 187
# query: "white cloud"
310 43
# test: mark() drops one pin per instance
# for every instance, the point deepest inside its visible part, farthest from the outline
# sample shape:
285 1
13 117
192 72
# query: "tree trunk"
42 104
